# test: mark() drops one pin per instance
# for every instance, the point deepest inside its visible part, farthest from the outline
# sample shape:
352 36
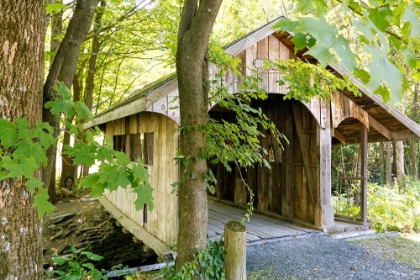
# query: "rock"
67 233
57 235
72 226
61 218
52 227
65 250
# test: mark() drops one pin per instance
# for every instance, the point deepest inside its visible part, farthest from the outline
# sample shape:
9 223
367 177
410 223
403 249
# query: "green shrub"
388 209
76 267
208 264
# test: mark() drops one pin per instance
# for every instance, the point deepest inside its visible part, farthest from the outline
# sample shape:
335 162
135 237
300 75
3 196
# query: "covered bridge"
297 189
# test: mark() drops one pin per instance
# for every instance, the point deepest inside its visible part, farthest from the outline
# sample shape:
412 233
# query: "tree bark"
191 65
68 171
388 163
63 69
413 152
21 72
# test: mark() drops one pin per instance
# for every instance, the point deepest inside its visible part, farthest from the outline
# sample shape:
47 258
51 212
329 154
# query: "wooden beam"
157 245
337 134
303 141
288 175
324 213
380 128
363 173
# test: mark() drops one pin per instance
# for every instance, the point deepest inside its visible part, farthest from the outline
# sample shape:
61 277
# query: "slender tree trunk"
56 30
193 37
21 72
399 159
68 171
413 151
388 163
90 79
382 165
63 69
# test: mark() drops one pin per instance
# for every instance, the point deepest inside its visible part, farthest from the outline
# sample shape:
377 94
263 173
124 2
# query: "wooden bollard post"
235 245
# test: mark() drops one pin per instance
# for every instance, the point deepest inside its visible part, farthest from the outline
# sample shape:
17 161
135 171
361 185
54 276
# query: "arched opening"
290 187
349 171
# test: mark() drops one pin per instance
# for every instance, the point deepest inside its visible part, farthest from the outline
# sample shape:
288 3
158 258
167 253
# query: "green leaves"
41 202
384 31
322 39
55 8
8 133
23 151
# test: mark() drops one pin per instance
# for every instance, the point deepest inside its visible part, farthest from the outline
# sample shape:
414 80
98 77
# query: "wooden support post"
220 177
263 176
363 173
304 148
288 176
324 214
235 245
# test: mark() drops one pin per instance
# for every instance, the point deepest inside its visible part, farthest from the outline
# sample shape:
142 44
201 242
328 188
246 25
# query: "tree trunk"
21 72
63 69
90 79
413 152
68 171
388 163
192 72
399 160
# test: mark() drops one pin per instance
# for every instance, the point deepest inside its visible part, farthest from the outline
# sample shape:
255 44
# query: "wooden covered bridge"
296 190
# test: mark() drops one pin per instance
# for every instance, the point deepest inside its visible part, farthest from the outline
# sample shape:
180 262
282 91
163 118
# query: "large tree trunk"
191 64
21 72
63 69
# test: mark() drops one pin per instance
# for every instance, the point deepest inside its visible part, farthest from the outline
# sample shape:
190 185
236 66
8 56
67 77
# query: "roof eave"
411 125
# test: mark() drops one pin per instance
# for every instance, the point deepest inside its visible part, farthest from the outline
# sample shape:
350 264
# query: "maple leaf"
92 181
41 202
33 183
25 167
113 177
8 133
28 149
144 196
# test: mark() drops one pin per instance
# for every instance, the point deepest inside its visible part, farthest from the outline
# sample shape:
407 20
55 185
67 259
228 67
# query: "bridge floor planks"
259 227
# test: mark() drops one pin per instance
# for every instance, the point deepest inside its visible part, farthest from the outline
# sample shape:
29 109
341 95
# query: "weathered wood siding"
162 222
251 59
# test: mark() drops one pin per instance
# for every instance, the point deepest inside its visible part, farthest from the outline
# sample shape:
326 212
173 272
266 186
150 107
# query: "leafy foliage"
23 152
208 264
306 81
78 266
384 28
388 210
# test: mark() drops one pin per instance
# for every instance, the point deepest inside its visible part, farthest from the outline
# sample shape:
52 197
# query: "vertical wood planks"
262 53
273 54
163 141
285 54
288 169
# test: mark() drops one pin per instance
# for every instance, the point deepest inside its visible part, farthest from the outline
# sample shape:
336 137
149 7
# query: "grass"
403 249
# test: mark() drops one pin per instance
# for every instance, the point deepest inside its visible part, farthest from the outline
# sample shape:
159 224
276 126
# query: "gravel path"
318 256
